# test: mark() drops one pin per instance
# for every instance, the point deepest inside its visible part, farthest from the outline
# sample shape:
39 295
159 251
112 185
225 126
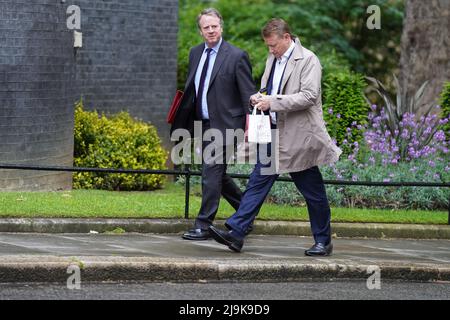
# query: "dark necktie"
199 99
269 84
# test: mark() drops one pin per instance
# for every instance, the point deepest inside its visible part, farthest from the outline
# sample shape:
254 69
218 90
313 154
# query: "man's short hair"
210 12
276 26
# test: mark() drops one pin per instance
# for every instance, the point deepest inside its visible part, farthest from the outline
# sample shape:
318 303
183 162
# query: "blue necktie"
198 104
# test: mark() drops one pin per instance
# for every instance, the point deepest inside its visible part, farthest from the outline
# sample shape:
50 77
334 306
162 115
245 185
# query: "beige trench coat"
303 139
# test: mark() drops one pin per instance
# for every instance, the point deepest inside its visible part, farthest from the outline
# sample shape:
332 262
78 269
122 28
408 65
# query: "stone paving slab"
166 257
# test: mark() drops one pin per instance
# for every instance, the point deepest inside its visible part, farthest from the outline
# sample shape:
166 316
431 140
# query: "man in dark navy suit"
217 92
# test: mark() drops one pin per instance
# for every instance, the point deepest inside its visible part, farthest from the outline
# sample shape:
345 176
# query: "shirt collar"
288 52
215 48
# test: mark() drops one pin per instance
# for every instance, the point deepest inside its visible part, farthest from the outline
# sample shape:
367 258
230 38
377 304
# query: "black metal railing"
188 174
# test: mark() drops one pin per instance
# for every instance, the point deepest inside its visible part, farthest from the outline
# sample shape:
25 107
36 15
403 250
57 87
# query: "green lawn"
169 203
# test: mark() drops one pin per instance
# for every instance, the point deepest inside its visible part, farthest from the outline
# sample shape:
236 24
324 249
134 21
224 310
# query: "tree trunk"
425 48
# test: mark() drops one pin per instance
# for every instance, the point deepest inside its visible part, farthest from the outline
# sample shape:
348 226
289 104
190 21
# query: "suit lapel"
266 74
221 57
196 56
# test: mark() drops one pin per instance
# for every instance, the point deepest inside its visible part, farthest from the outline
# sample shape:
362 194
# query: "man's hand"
254 99
263 103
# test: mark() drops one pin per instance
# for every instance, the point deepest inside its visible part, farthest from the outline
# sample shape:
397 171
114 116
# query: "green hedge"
116 142
344 106
445 105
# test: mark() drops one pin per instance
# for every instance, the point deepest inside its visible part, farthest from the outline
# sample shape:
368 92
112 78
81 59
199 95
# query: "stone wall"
128 62
36 93
129 57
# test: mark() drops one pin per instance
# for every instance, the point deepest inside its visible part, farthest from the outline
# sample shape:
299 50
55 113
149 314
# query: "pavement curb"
55 269
344 230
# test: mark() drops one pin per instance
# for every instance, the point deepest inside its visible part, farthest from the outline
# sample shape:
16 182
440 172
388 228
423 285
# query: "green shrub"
420 170
322 24
116 142
445 105
344 107
425 198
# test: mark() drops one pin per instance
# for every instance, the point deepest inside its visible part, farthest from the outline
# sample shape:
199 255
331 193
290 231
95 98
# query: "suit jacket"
228 94
303 138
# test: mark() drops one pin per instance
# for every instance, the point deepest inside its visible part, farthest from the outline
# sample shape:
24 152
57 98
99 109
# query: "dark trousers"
310 184
215 182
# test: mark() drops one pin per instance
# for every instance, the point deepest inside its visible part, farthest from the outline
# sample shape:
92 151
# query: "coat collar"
297 54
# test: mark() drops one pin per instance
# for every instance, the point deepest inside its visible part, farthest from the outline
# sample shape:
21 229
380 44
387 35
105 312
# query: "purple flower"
427 131
405 134
411 138
439 136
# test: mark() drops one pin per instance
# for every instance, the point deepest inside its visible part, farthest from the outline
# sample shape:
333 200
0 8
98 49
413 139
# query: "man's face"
278 45
210 29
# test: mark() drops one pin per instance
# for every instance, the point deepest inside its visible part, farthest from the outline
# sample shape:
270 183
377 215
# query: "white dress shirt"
280 65
212 60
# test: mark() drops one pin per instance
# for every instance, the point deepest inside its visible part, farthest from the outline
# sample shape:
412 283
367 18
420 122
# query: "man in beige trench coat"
293 81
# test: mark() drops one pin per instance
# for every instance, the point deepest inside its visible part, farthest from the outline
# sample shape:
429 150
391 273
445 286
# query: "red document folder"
174 107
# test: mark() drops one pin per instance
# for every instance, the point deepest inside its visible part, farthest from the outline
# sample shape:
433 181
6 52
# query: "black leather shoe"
320 249
197 234
226 238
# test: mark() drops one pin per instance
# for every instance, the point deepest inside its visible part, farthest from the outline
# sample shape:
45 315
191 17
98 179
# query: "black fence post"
188 187
448 219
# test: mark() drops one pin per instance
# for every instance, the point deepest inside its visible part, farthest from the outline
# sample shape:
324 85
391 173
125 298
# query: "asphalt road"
333 290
